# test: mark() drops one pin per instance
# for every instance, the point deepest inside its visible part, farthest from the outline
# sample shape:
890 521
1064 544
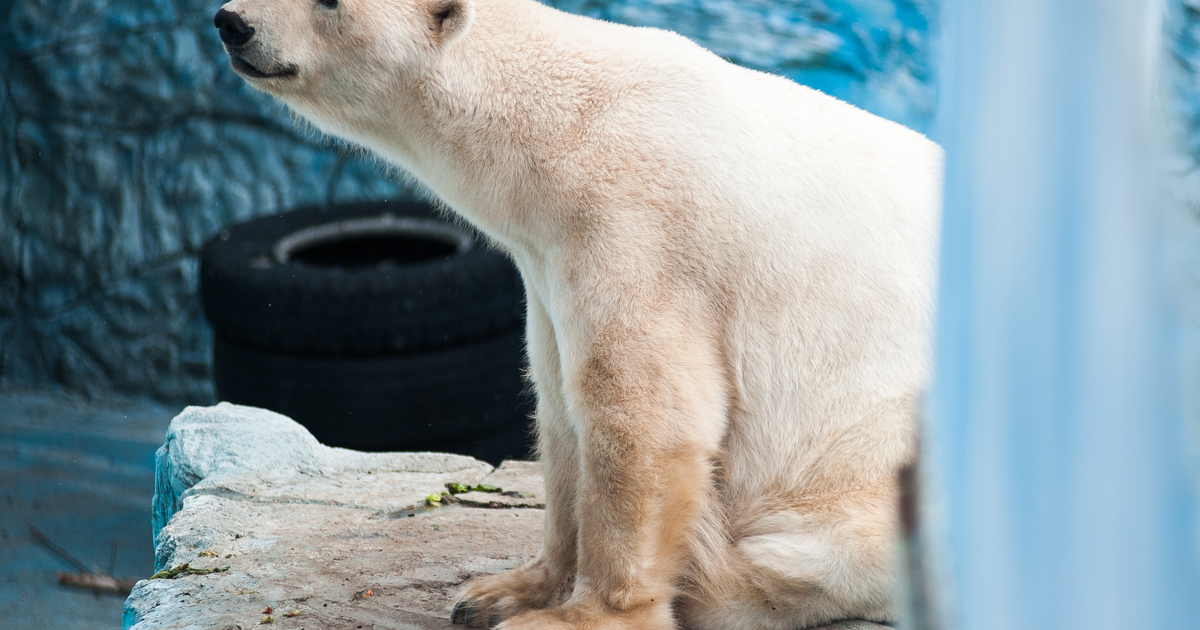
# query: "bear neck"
495 126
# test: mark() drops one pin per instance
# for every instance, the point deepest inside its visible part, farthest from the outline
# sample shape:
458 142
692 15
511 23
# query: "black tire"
256 297
468 399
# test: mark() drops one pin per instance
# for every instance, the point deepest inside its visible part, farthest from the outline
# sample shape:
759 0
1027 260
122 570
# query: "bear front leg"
548 579
650 411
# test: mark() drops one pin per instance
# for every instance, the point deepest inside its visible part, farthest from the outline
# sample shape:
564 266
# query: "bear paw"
574 616
489 600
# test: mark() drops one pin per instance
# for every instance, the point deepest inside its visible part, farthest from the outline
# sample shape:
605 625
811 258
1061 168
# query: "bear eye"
329 4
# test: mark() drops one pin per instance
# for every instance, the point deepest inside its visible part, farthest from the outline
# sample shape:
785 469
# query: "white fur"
730 286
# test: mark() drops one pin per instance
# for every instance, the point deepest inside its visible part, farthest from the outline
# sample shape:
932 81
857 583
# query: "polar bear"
729 282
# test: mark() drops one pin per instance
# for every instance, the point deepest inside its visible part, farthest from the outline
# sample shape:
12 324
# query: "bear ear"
449 19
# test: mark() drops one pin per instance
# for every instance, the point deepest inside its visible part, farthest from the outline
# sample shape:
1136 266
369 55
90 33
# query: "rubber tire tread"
299 309
421 401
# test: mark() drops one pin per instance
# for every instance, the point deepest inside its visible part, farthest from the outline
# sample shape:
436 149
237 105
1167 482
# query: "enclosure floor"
82 473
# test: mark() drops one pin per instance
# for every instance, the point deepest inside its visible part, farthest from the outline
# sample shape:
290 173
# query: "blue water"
82 473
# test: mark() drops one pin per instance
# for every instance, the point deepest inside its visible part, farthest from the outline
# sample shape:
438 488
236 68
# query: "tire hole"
373 251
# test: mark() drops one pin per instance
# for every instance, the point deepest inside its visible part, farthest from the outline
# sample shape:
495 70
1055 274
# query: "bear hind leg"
797 569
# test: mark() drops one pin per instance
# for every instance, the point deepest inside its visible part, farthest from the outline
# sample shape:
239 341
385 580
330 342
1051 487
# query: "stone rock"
340 539
305 527
323 559
257 455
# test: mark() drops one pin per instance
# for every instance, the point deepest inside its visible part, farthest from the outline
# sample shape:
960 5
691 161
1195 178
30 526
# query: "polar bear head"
337 49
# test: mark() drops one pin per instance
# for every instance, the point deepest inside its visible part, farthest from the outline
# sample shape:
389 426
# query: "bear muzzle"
233 29
245 59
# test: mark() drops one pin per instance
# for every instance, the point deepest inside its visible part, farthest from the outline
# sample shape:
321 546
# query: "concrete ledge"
339 539
306 527
261 456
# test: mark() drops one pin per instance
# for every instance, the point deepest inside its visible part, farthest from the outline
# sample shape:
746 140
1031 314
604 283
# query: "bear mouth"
241 66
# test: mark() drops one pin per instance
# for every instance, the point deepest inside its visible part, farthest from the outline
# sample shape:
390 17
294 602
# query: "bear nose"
232 28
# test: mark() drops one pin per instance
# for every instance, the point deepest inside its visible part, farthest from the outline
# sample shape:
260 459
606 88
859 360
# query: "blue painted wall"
126 141
872 53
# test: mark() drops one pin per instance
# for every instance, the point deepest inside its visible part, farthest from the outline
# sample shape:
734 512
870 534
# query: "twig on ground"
59 551
96 582
86 577
112 558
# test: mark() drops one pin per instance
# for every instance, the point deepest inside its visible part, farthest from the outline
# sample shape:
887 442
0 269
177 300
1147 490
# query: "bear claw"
471 616
459 614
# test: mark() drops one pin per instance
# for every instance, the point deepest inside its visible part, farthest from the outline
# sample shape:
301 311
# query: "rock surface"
337 538
307 527
520 486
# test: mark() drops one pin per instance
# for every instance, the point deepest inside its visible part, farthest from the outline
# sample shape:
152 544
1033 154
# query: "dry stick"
58 551
86 578
94 582
112 558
